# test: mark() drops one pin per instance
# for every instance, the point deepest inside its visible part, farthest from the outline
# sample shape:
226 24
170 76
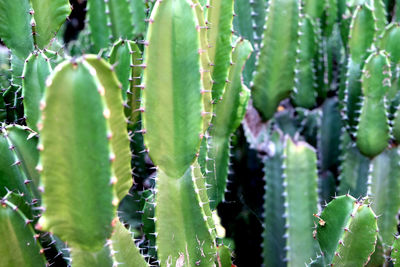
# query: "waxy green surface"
19 246
120 19
219 19
117 123
15 26
98 23
36 70
229 112
76 164
49 15
274 223
384 189
347 232
124 249
373 127
301 200
183 234
361 36
274 78
172 102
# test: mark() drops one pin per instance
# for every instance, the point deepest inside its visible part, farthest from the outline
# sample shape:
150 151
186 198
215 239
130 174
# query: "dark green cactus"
274 78
373 127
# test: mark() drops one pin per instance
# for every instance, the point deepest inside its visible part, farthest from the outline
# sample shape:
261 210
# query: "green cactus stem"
354 169
98 22
36 70
301 201
18 160
384 192
219 19
229 112
119 139
274 223
20 247
329 135
274 77
248 23
123 248
138 17
347 232
82 168
304 92
361 36
373 127
205 67
172 139
120 19
395 254
183 234
15 26
101 258
48 16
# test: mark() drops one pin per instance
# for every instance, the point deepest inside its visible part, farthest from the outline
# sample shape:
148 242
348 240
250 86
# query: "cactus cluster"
153 92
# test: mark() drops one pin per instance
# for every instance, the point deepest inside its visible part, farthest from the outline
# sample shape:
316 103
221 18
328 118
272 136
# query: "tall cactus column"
274 77
172 121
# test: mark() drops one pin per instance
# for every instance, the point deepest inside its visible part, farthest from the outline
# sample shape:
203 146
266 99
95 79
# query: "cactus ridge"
219 34
229 112
206 67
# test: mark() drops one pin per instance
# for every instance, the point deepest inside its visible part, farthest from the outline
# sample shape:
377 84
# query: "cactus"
373 127
206 67
384 172
329 136
98 22
36 70
362 31
21 248
48 18
163 100
395 253
19 159
229 113
248 22
300 202
220 17
274 222
273 80
305 67
92 232
347 232
31 24
354 169
16 29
